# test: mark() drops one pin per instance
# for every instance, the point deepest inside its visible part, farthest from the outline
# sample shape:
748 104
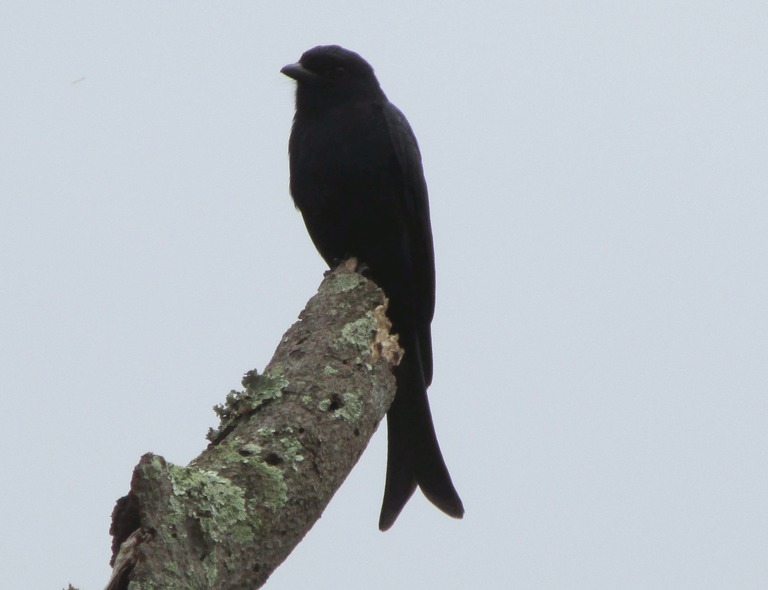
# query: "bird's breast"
347 149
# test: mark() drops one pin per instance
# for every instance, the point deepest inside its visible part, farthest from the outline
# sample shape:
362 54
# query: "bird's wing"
416 205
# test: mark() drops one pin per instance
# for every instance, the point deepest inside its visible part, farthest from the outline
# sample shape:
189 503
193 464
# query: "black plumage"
356 177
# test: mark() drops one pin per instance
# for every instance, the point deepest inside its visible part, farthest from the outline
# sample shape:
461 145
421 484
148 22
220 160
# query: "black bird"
357 179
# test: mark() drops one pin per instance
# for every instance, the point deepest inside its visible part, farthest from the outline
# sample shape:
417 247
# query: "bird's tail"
414 457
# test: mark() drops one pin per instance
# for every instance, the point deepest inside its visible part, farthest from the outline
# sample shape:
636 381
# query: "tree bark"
284 446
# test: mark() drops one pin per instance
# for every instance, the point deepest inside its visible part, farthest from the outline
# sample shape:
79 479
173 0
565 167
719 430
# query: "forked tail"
414 457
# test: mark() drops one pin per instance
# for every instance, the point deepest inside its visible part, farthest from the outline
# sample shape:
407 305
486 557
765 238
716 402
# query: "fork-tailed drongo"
357 179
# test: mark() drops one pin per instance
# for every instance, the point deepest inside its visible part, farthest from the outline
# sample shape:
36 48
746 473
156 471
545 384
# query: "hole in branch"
336 403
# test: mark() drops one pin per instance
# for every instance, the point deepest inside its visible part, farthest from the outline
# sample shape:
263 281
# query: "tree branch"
285 445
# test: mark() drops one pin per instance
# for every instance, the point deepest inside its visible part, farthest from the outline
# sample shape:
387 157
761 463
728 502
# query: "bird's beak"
299 73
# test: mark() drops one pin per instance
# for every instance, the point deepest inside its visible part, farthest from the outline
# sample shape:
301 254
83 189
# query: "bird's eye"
339 72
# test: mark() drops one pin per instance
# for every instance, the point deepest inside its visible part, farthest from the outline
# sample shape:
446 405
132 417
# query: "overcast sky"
598 187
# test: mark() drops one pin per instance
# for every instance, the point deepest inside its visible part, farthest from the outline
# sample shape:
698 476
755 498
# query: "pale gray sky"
598 186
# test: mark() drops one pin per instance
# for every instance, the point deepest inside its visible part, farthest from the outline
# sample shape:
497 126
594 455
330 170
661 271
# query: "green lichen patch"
342 282
267 479
273 491
352 407
171 568
204 511
259 390
292 450
219 504
248 449
360 333
348 406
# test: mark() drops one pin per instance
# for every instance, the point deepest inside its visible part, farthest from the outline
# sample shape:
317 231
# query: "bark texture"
284 446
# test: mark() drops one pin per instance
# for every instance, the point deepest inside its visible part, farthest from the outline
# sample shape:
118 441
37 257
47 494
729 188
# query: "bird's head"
329 73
